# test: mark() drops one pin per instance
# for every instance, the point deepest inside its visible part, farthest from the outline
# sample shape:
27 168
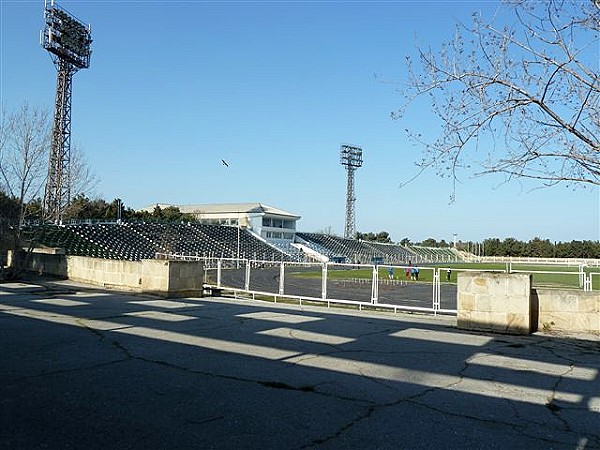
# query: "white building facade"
272 224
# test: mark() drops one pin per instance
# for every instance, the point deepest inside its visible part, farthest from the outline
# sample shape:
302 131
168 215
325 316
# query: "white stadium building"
272 224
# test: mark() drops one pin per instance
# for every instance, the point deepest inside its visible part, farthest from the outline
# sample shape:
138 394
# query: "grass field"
552 276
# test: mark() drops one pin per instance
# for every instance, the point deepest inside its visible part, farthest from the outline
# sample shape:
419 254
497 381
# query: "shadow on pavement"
90 368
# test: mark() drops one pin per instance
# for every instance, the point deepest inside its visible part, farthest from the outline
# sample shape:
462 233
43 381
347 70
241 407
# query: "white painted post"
587 284
238 245
375 285
324 281
281 278
436 291
219 273
247 282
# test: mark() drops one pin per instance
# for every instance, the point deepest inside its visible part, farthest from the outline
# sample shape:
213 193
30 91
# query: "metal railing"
422 289
360 285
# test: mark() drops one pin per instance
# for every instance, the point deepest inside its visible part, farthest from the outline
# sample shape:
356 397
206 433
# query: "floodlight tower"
68 40
351 158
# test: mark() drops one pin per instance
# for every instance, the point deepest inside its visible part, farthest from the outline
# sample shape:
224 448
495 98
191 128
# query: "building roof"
227 208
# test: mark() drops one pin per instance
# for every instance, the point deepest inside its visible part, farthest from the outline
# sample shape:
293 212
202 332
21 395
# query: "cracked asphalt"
87 368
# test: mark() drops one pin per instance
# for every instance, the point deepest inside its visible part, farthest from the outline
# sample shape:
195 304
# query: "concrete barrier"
568 310
498 302
161 277
507 303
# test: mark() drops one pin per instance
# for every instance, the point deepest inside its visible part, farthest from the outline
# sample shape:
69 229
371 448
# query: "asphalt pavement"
88 368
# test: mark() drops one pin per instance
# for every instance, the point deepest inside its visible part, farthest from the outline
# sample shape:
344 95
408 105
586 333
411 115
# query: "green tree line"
83 208
534 248
540 248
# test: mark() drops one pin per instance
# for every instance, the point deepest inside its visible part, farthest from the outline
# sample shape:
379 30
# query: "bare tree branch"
24 156
533 81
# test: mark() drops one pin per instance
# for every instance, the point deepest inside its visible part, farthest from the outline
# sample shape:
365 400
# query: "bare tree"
24 145
23 161
82 179
3 133
518 94
23 156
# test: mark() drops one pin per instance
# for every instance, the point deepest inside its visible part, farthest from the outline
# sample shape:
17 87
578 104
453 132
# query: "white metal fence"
395 287
359 285
589 262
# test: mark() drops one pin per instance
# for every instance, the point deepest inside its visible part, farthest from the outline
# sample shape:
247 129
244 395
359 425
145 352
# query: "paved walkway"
84 368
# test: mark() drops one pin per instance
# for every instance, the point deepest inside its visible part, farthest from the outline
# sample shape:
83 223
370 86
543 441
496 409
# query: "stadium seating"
136 241
349 250
287 248
391 253
352 250
435 254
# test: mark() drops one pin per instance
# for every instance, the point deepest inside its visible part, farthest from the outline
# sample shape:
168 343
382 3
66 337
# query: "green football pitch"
560 276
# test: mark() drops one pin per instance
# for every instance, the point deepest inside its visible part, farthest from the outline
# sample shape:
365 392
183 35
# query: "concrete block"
498 320
519 304
496 302
582 321
466 301
518 323
485 303
480 285
569 310
555 321
589 304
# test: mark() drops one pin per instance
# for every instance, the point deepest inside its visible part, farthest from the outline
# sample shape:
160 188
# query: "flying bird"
225 163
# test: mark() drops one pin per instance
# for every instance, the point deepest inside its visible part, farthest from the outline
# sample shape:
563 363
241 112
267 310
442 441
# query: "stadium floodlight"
68 41
66 37
351 158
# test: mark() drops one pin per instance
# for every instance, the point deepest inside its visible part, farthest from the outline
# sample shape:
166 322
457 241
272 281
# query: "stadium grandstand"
242 230
136 241
357 251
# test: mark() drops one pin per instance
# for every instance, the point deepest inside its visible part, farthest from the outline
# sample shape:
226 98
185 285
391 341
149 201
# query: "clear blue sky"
274 88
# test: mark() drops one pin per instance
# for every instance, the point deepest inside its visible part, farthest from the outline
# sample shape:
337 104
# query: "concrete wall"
497 302
568 310
167 278
506 303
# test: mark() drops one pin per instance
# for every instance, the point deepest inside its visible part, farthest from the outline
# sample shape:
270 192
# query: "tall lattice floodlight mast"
351 158
68 40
